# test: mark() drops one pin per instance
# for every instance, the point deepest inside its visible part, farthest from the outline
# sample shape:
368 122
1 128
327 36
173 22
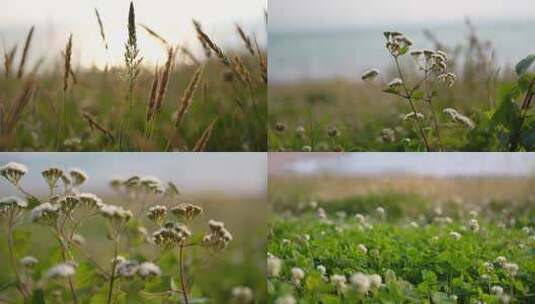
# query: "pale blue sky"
435 164
55 19
319 14
233 174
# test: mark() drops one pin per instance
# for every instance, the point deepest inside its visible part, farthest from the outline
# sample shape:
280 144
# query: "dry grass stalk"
18 106
101 27
8 60
37 66
241 71
246 39
132 59
164 80
95 125
200 145
71 72
263 63
187 97
152 95
204 39
67 68
190 55
154 34
198 29
24 57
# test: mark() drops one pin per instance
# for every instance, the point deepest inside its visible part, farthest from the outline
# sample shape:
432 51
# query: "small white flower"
370 74
526 230
375 281
511 269
339 281
497 290
361 282
321 269
321 213
455 235
78 176
28 261
274 265
127 269
148 269
242 294
59 271
501 260
395 83
13 172
297 275
362 248
360 218
414 225
473 224
287 299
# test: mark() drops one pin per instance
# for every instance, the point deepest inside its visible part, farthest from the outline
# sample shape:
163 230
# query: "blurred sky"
55 19
433 164
287 15
233 174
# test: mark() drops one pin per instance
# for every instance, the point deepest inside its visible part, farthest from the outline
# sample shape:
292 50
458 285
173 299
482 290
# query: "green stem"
182 276
14 261
113 266
409 98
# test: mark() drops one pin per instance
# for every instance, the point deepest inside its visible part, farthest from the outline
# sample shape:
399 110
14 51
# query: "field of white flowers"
325 253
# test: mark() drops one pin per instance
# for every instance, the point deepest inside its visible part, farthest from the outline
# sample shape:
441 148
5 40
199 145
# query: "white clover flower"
339 282
362 248
306 148
395 83
485 277
46 214
242 294
321 269
148 269
375 281
321 213
360 218
287 299
370 74
274 265
29 261
414 224
297 275
13 172
455 235
434 239
472 213
60 271
78 176
526 230
488 266
361 282
313 204
501 260
497 290
473 225
305 237
300 130
511 269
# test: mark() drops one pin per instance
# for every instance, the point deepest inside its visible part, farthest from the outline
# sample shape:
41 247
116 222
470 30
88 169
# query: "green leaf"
33 201
38 296
524 64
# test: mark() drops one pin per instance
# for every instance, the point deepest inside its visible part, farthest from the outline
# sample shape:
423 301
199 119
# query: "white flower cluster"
186 211
152 184
129 269
458 117
364 283
28 261
46 214
157 214
78 177
274 265
218 237
117 215
297 275
13 172
52 175
61 271
397 43
11 206
170 235
90 200
242 294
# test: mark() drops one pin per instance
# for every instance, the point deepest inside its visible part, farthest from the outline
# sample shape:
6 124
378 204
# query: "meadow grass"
221 100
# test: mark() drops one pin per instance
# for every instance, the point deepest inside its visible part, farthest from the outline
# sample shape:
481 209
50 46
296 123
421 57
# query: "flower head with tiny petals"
13 172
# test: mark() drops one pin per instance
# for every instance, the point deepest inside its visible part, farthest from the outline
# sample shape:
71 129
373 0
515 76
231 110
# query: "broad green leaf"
524 64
